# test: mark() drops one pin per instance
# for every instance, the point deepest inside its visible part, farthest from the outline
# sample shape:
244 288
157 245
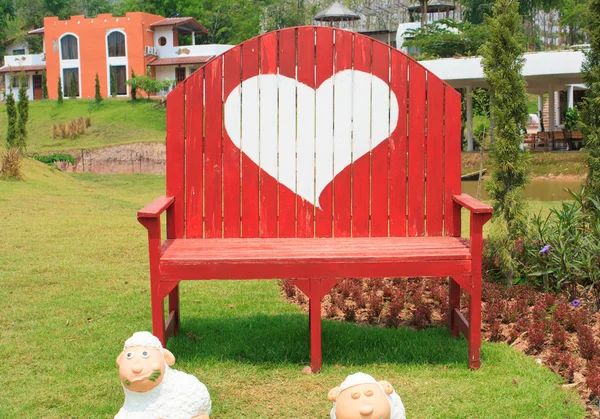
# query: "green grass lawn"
74 285
116 121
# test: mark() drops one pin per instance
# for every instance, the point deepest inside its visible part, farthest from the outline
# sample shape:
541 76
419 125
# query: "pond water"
541 190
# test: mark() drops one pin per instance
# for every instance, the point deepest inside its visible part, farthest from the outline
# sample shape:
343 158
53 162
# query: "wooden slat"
194 163
398 146
358 268
342 132
416 150
381 128
287 131
452 164
461 322
268 111
324 132
213 149
176 161
156 207
231 153
250 129
361 129
435 155
306 131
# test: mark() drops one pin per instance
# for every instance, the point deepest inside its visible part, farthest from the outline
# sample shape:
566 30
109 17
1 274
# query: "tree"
590 108
11 112
44 85
23 109
134 86
113 84
73 88
447 38
60 91
98 96
502 60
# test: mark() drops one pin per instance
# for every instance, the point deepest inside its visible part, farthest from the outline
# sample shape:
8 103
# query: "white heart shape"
279 123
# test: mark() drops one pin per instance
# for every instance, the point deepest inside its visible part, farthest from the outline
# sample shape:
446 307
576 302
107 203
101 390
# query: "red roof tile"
180 60
18 69
189 22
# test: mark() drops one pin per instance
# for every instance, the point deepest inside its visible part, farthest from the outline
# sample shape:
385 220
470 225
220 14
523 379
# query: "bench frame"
434 122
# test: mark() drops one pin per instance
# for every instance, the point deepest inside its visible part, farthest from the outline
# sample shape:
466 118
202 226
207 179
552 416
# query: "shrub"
587 344
375 306
71 129
288 288
536 337
395 309
11 161
23 109
564 364
134 86
558 337
73 88
592 379
496 331
422 316
53 158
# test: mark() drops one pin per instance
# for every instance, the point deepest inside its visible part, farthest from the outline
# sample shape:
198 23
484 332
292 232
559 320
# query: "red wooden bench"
314 154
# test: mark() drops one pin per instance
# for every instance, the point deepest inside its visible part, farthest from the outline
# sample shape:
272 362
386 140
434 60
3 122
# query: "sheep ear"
119 358
387 387
169 357
333 393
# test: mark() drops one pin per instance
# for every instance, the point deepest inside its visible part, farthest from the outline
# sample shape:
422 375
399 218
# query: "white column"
540 111
193 38
469 99
570 89
551 109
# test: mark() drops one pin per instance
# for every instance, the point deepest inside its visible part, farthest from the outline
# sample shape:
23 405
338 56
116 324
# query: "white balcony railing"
25 60
192 50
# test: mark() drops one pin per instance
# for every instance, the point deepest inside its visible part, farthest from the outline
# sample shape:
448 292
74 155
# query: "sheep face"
363 401
142 368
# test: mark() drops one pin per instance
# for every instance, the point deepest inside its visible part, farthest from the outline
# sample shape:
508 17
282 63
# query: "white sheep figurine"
361 397
152 389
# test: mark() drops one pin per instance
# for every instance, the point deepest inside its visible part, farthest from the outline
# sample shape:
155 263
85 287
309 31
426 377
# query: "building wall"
93 51
22 45
15 91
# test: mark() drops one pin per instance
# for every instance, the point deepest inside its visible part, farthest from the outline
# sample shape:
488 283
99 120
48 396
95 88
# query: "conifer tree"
23 110
502 65
98 96
590 108
11 113
73 88
44 85
60 91
113 84
133 86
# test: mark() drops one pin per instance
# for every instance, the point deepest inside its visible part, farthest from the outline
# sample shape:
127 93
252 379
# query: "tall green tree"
502 65
98 95
590 109
11 113
134 86
60 91
73 88
44 85
23 109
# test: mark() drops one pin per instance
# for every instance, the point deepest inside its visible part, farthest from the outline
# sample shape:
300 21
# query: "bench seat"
268 258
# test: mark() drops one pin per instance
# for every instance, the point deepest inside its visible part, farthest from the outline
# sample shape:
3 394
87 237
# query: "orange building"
79 48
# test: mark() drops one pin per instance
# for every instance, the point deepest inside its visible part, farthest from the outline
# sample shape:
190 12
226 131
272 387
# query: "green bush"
53 158
562 250
572 119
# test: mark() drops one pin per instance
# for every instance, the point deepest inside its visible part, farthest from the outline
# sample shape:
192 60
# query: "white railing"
25 60
192 50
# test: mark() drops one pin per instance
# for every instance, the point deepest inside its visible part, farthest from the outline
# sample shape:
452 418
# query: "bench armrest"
156 207
472 204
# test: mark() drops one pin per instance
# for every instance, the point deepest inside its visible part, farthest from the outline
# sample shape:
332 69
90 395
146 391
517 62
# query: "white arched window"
69 48
116 44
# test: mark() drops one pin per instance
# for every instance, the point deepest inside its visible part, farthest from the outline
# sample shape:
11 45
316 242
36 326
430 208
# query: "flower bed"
559 333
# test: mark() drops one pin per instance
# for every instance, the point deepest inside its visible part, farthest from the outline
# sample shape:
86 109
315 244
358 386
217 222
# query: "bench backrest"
313 132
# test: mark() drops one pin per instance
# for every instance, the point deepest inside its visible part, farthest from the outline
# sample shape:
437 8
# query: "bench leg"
158 316
475 322
454 302
174 309
314 321
315 290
